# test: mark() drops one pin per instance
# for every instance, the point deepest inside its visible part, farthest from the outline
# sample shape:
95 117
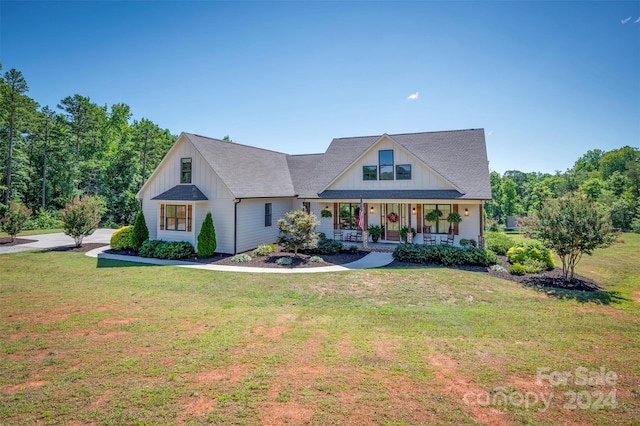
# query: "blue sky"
546 80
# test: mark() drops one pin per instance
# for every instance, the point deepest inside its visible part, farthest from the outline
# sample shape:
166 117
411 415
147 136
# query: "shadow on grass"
602 297
112 263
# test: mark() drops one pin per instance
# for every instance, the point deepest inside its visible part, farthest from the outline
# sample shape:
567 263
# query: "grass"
23 234
109 342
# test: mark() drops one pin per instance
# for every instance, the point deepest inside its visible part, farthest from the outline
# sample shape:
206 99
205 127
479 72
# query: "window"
175 218
440 226
385 160
267 214
349 215
185 170
403 172
369 172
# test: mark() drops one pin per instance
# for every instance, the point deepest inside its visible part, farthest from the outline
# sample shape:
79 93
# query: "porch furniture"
481 241
337 234
449 240
354 237
428 238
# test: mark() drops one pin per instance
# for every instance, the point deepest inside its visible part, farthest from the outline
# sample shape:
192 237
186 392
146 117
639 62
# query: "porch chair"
449 240
428 238
481 241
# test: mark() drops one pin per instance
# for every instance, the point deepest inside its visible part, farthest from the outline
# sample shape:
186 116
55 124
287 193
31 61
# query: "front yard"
106 342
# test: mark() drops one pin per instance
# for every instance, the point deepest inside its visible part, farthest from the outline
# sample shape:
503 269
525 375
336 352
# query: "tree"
509 197
207 238
572 226
296 230
15 218
140 231
81 217
12 90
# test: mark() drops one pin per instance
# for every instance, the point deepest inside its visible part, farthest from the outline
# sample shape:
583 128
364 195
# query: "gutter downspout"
236 201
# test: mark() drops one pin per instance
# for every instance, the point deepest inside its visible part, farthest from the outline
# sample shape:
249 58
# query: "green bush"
530 250
122 239
498 268
316 259
140 232
81 217
326 246
207 238
444 255
352 249
534 266
498 242
44 219
171 250
284 261
464 243
264 250
518 269
15 218
241 258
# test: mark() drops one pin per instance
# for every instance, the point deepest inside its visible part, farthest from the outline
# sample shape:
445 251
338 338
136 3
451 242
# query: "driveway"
46 241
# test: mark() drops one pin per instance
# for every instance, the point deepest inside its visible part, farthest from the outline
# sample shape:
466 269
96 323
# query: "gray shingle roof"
246 170
182 193
459 156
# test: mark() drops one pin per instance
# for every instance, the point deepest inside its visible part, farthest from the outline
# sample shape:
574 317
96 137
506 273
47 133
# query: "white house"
400 178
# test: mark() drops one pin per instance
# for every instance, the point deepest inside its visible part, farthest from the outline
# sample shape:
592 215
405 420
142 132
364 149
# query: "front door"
393 222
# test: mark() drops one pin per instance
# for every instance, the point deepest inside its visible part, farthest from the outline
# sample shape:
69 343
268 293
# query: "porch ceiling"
431 194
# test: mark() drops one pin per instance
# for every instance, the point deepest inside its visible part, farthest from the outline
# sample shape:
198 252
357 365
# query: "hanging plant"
326 213
392 217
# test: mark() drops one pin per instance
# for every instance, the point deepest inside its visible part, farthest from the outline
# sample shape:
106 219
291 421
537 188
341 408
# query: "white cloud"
413 96
490 132
637 20
624 21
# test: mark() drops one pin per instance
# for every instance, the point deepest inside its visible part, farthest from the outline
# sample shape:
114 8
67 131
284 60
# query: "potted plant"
326 213
433 216
375 231
404 231
453 218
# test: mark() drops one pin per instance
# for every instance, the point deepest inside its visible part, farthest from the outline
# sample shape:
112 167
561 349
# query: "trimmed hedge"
498 242
122 239
444 255
326 246
264 250
171 250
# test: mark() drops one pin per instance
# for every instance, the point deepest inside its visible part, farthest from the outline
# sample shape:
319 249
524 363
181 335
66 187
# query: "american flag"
361 216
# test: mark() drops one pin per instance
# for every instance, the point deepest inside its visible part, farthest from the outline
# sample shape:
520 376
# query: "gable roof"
458 156
182 193
248 172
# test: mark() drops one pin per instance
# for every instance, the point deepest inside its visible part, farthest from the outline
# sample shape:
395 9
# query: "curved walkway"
372 260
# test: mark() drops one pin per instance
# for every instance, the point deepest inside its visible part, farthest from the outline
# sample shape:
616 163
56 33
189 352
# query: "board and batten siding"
220 202
251 214
421 176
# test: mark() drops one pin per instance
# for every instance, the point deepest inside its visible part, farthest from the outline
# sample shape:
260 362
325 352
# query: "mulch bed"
6 241
73 249
546 279
302 261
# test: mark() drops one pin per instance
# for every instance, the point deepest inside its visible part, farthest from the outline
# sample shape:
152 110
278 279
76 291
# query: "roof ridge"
410 133
237 143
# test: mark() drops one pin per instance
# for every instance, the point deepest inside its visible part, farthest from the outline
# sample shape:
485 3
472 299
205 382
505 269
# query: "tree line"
611 179
52 154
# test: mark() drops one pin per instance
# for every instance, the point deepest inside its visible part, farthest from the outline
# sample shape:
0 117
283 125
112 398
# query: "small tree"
296 230
572 226
15 219
207 237
140 231
81 217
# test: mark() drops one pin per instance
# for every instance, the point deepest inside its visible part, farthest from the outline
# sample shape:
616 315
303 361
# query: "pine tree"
140 231
207 238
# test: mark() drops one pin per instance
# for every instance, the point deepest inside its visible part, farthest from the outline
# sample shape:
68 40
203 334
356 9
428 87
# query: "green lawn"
105 342
25 234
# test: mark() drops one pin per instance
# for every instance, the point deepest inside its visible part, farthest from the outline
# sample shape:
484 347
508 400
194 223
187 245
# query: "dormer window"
185 170
385 160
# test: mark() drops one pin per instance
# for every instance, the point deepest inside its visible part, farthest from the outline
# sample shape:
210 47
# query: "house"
400 178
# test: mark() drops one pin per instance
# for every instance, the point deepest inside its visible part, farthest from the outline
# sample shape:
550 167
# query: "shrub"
534 266
15 218
286 260
140 232
316 259
444 255
148 248
498 242
81 217
518 269
530 250
635 225
464 243
297 231
171 250
264 250
350 249
326 246
122 239
498 268
44 219
241 258
207 238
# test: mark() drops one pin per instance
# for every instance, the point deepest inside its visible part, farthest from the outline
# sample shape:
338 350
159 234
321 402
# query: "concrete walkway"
59 239
372 260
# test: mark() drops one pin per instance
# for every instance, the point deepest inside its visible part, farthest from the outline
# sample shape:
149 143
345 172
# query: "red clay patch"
273 333
195 406
120 321
233 373
25 385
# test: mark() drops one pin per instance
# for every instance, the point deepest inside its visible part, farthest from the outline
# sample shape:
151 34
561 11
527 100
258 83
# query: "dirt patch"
117 321
386 348
85 247
195 405
25 385
345 346
6 241
636 296
458 387
273 333
301 261
287 413
286 317
233 373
